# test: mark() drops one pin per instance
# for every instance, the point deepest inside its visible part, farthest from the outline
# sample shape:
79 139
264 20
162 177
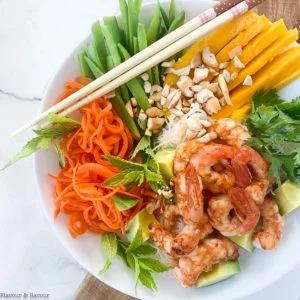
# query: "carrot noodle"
78 187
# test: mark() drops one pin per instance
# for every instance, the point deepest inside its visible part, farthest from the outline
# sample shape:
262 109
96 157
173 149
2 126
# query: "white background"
35 37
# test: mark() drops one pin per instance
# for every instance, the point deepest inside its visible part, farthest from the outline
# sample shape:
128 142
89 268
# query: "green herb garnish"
136 256
275 132
46 137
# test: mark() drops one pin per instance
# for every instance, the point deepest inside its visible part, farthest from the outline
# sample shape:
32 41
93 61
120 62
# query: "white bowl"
259 269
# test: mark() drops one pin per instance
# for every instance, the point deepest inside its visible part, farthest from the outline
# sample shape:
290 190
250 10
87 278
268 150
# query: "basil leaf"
124 202
153 265
110 245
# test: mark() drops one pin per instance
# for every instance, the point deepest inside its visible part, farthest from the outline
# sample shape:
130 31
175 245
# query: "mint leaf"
57 130
54 118
153 265
110 245
143 144
121 251
126 177
123 164
137 241
32 146
60 155
124 202
147 280
145 249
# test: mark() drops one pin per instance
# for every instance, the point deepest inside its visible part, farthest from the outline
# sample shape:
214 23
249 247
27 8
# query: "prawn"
229 131
182 243
209 253
271 233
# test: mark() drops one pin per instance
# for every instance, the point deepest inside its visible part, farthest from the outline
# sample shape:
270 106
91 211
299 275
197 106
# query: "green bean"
85 69
164 16
135 45
99 43
120 108
142 41
172 12
113 27
154 26
179 20
111 45
124 14
93 67
134 85
133 23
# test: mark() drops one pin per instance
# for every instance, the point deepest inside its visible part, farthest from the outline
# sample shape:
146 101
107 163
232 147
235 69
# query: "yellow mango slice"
259 44
243 38
215 40
265 57
288 78
266 78
240 114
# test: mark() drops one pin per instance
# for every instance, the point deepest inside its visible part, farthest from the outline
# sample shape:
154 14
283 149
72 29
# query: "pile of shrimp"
221 190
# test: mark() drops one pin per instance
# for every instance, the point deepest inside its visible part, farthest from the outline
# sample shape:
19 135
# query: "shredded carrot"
79 192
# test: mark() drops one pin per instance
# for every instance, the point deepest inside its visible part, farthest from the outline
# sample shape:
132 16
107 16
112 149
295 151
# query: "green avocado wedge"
220 272
165 159
244 241
287 197
142 220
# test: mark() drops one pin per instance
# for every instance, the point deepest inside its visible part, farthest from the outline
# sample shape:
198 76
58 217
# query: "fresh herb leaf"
121 251
147 280
143 144
137 241
267 98
292 109
126 177
32 146
60 155
124 202
123 164
145 249
54 118
153 265
110 244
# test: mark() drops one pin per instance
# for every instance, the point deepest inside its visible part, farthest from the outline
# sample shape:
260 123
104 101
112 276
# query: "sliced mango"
259 44
215 40
240 114
266 78
290 76
243 38
265 57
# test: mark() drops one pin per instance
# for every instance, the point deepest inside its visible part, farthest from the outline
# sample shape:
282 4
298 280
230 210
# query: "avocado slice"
288 197
220 272
165 159
141 220
244 241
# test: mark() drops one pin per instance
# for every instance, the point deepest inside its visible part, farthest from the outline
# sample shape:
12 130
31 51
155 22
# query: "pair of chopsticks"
158 52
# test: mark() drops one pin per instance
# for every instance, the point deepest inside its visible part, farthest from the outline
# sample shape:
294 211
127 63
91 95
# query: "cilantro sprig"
132 172
275 132
138 256
45 137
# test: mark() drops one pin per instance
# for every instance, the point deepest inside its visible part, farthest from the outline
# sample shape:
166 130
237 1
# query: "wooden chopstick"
143 61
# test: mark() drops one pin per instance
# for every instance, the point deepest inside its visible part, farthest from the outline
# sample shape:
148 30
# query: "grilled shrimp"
245 208
271 233
209 253
182 243
233 133
212 163
223 217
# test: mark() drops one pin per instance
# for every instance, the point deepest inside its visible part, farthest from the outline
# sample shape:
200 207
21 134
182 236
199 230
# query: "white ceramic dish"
259 269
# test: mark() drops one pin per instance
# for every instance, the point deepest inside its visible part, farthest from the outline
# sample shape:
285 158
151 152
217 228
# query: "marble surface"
36 36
